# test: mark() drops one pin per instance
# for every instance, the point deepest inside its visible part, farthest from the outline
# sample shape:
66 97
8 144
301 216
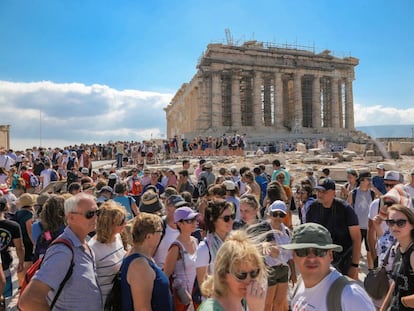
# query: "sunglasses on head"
278 214
305 252
189 221
399 222
241 276
227 218
89 214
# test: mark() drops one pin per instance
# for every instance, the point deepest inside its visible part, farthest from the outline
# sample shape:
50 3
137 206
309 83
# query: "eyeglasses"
159 231
305 252
227 218
278 214
241 276
89 214
189 221
388 185
399 222
122 222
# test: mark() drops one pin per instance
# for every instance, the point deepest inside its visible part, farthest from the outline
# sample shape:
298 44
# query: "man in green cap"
313 253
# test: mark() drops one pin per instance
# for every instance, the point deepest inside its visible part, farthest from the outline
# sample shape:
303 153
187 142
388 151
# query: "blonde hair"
238 248
111 214
144 224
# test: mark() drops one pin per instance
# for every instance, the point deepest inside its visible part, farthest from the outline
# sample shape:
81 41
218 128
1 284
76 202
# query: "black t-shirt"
9 231
337 219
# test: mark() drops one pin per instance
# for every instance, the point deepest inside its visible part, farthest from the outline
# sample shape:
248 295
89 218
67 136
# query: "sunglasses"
227 218
399 222
278 214
89 214
241 276
123 221
305 252
189 221
389 185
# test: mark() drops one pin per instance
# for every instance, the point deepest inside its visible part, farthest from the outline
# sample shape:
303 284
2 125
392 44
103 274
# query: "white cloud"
70 113
379 115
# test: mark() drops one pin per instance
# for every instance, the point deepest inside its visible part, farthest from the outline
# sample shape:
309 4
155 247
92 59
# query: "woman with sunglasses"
279 266
239 278
107 244
219 216
144 285
401 293
181 257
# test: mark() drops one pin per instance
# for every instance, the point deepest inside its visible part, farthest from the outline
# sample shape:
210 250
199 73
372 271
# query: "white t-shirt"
410 190
108 258
204 257
353 298
170 236
373 211
46 177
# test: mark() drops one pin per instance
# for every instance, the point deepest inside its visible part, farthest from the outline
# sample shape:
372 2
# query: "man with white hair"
81 291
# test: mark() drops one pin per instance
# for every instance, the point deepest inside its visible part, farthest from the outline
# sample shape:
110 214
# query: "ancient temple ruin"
5 136
265 91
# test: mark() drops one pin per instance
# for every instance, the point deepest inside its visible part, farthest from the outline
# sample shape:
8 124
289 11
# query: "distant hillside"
382 131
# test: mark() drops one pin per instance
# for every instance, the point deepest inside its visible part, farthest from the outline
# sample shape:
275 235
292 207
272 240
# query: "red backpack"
136 188
36 266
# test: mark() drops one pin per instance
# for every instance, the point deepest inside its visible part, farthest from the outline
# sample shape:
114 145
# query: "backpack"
136 188
114 299
201 186
70 164
36 266
53 176
354 193
43 242
34 181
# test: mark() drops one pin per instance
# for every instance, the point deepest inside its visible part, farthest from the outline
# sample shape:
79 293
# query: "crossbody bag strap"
181 250
387 255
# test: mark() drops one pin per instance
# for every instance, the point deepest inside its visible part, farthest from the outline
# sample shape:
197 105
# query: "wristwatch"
356 265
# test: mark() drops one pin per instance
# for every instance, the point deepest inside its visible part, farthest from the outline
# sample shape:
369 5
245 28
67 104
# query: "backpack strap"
333 298
70 270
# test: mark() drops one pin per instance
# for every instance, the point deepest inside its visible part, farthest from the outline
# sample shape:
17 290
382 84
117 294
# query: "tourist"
313 254
378 182
401 293
232 196
238 279
144 284
107 244
410 184
342 223
180 263
81 291
126 201
351 184
218 219
249 212
306 199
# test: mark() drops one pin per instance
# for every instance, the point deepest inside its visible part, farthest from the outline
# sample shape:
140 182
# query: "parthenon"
264 90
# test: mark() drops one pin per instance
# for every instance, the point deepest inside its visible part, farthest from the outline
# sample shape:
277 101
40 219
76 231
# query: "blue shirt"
81 291
161 299
126 202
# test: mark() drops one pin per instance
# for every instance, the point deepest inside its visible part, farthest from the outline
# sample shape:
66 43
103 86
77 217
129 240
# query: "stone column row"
279 115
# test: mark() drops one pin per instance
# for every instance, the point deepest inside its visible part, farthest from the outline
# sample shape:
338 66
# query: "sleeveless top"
210 304
403 276
185 268
161 297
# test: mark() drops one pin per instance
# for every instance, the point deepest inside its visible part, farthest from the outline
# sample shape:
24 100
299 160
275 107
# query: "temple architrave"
265 91
5 136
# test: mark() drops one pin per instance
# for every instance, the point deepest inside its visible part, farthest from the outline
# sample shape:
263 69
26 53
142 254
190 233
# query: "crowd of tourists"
209 238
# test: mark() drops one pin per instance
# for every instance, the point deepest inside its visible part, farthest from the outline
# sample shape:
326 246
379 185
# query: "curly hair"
110 214
213 211
52 216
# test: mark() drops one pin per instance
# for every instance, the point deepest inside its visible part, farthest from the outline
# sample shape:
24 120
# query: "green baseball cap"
311 235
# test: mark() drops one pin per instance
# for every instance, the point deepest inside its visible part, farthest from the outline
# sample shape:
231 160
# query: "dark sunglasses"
227 218
89 214
278 214
399 222
305 252
388 185
189 221
122 222
241 276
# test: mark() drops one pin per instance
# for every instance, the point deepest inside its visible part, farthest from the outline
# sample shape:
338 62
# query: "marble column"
257 100
216 100
349 105
316 102
235 102
334 102
297 95
278 111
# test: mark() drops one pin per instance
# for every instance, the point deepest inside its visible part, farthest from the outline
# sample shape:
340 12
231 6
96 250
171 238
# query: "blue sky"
145 50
